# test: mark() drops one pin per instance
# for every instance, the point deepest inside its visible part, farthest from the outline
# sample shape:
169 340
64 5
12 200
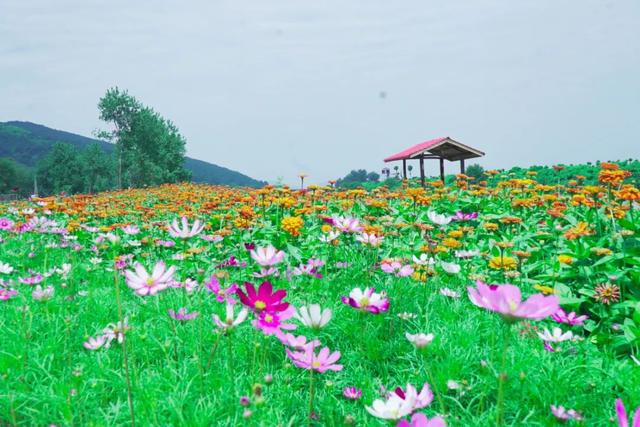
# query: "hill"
26 143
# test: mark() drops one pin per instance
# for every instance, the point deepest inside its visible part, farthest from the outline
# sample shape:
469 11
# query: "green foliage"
61 171
476 171
150 149
27 143
14 178
357 178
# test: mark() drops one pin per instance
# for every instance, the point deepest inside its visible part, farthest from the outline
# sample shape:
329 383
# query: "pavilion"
442 149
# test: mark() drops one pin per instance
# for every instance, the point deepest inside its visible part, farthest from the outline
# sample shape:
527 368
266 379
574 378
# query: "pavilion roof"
444 147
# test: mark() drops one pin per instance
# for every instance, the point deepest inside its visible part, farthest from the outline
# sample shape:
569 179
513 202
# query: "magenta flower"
572 318
144 283
367 300
352 393
461 216
321 362
6 224
232 262
267 256
272 323
421 420
507 300
131 229
221 294
623 420
264 299
397 269
422 399
182 315
7 294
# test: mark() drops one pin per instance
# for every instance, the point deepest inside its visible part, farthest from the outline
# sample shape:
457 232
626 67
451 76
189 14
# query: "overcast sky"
276 87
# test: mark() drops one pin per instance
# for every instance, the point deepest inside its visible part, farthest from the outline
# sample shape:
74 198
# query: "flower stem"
434 385
213 350
311 393
502 377
124 349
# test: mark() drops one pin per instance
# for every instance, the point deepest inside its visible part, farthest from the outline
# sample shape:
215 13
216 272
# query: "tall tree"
98 169
61 170
150 149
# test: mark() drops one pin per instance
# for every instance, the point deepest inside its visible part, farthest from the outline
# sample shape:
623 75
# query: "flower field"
504 302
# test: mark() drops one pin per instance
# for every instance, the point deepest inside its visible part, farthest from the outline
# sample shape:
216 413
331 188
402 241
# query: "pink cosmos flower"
305 270
267 256
297 343
166 243
400 403
370 239
421 420
397 269
131 229
346 224
565 414
31 280
352 393
264 299
507 300
623 420
272 323
144 283
7 294
221 294
572 318
40 294
321 362
422 399
367 300
6 224
182 315
95 343
183 231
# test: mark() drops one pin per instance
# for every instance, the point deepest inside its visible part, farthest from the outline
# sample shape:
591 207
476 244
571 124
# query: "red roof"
415 149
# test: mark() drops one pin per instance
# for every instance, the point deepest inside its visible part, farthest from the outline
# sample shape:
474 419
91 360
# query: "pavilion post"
422 170
404 168
462 166
442 169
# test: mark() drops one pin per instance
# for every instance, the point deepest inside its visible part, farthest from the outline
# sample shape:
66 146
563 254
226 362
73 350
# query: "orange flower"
581 229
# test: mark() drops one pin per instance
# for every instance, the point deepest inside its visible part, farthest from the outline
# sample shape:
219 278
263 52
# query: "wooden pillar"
442 169
422 171
404 168
462 166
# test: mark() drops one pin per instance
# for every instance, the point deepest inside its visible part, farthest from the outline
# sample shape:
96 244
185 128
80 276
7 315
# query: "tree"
149 149
373 177
98 169
61 170
476 171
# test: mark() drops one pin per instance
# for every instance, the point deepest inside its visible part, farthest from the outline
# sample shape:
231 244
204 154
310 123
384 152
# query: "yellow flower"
565 259
490 226
451 243
503 263
292 225
547 290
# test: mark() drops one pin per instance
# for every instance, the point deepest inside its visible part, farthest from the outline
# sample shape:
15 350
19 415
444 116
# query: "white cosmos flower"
330 236
5 268
419 340
556 336
230 320
183 231
439 219
424 260
450 267
449 293
467 254
313 316
393 408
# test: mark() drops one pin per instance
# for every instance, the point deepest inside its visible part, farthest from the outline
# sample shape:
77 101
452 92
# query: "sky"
274 88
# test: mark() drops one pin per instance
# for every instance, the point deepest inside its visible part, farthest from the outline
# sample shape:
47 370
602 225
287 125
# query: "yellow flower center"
268 318
150 281
315 364
364 302
260 305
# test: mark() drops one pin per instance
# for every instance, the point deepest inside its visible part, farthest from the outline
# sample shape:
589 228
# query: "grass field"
69 270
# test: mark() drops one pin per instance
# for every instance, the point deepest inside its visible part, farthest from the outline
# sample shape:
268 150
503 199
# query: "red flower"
264 299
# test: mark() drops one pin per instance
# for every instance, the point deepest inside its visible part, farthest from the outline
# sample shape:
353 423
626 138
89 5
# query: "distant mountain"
27 143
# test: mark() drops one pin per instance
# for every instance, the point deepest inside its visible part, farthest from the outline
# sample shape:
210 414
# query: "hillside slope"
27 143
